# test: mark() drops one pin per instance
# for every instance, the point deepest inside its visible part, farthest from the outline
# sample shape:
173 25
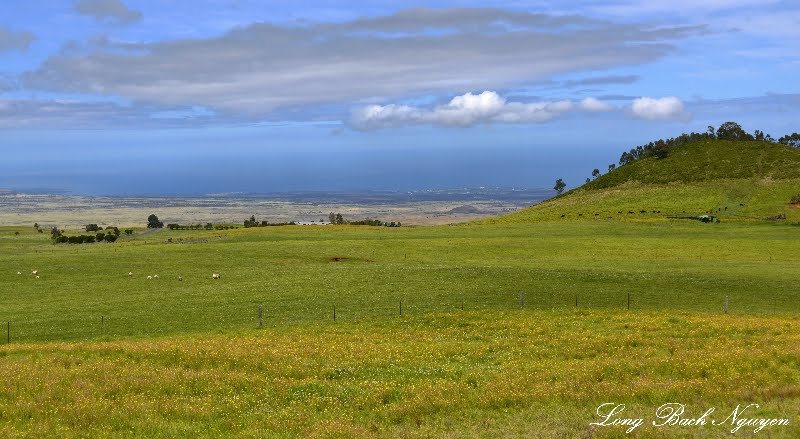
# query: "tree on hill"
154 223
559 187
595 173
732 131
611 167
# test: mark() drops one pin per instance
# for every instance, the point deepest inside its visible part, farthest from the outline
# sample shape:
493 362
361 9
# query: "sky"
208 96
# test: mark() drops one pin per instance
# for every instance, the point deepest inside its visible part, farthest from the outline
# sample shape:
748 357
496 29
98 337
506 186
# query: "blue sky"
129 96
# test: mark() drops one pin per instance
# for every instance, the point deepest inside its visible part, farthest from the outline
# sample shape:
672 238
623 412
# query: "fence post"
576 301
102 324
8 333
334 313
521 300
260 315
726 304
629 300
401 307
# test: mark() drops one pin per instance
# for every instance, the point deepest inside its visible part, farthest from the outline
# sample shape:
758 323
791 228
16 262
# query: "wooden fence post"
334 313
629 300
260 315
726 304
401 307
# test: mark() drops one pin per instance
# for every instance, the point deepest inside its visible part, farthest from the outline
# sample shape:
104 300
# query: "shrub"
795 199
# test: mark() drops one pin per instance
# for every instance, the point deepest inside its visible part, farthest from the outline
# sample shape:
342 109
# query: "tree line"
109 235
727 131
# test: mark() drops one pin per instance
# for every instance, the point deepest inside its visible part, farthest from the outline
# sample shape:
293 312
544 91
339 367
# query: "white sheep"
155 276
149 277
37 277
215 276
35 272
18 273
180 278
130 274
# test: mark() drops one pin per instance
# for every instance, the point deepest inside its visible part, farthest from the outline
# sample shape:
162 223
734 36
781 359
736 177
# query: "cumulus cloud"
257 69
594 104
14 40
667 108
469 110
107 10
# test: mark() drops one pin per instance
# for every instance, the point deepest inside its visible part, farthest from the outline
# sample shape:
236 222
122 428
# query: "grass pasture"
533 373
97 353
300 273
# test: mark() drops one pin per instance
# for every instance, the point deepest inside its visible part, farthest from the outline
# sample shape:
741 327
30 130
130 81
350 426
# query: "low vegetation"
460 374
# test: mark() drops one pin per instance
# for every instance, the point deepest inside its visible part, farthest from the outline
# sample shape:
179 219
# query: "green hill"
743 180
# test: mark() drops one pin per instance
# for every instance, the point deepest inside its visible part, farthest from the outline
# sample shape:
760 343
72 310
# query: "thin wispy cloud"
15 40
262 67
107 10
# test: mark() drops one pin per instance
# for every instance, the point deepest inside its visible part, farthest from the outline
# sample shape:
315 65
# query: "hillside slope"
730 179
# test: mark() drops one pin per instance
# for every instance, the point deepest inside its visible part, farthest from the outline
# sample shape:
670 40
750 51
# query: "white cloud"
594 104
667 108
469 110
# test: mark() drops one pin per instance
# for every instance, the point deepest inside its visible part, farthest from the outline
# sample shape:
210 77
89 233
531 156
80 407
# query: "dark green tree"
732 131
790 140
595 173
154 223
559 187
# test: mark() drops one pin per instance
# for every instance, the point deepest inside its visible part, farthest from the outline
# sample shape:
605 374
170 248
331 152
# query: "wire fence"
198 317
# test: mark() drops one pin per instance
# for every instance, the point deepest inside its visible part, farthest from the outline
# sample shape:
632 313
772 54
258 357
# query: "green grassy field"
460 374
97 353
300 273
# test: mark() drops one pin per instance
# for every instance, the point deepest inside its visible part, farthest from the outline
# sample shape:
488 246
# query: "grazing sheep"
37 277
215 276
155 276
149 277
130 274
35 272
180 278
18 273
